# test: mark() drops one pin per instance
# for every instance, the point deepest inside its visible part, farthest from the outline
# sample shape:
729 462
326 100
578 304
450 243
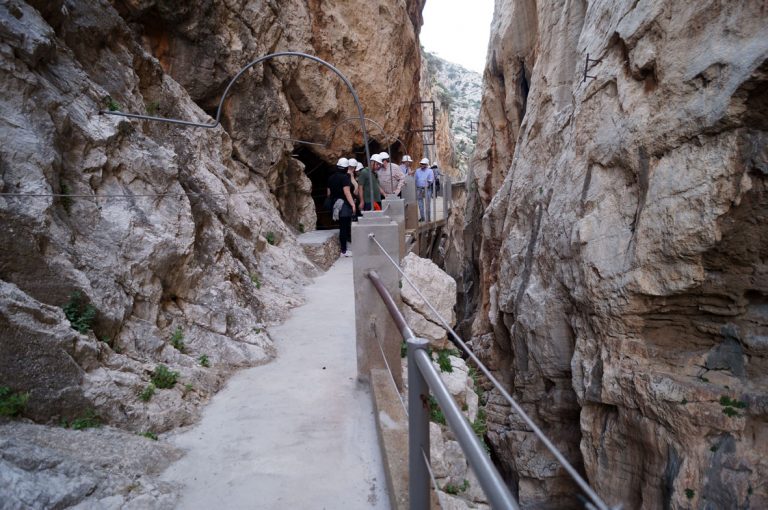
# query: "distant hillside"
461 90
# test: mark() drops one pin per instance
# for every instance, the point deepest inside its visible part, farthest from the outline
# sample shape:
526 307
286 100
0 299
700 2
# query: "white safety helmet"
407 159
352 162
424 161
359 167
383 156
377 159
343 163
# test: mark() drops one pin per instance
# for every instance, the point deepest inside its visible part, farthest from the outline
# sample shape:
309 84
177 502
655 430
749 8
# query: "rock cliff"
168 244
458 91
618 274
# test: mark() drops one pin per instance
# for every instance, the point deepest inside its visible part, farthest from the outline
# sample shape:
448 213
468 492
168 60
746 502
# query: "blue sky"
458 30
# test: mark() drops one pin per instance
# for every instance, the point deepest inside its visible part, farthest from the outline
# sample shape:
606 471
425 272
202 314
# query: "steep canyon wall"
196 229
616 245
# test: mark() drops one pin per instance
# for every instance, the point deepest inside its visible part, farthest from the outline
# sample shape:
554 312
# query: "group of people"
353 185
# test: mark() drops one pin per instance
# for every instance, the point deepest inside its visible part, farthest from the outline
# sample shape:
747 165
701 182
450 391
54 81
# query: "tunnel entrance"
319 170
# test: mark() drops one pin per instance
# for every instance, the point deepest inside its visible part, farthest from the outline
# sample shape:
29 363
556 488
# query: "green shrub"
89 419
255 280
79 313
177 339
147 392
149 435
435 413
204 361
270 236
689 493
111 104
163 377
455 489
480 425
12 403
444 361
731 405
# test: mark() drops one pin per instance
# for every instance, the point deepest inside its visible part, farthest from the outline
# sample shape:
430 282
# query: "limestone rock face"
101 468
374 44
174 233
438 288
619 277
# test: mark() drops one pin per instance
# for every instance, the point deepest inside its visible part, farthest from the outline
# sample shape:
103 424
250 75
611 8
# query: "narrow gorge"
608 236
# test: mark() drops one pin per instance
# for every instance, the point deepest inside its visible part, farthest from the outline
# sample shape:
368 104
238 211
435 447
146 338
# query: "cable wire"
536 430
391 375
429 469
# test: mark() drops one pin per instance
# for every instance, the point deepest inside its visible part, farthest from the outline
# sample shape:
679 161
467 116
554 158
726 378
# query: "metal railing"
422 376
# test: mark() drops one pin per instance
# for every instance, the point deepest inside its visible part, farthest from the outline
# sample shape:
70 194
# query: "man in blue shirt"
424 179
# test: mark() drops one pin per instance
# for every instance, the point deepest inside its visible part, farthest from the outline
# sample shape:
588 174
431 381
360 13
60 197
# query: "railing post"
411 207
447 187
418 429
375 329
395 209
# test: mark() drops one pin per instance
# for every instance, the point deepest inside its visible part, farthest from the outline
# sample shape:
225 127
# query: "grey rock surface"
617 266
44 467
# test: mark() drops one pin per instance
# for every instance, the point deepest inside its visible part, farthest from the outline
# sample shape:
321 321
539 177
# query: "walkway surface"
298 432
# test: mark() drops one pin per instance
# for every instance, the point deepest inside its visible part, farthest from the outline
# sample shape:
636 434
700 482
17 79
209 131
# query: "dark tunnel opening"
319 170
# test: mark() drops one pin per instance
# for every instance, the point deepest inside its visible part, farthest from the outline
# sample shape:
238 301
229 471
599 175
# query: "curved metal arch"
367 119
360 117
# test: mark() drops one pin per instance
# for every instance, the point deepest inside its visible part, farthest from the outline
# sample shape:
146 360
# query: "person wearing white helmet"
424 179
343 205
368 179
390 177
354 167
405 165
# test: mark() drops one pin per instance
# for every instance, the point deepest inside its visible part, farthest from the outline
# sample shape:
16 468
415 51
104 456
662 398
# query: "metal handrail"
423 377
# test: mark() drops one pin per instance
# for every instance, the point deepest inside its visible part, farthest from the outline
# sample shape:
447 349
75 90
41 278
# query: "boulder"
435 284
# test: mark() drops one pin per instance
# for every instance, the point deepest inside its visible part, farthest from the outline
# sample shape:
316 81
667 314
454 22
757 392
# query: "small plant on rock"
88 420
147 392
12 403
731 405
435 413
149 435
270 237
444 360
204 361
163 377
177 339
255 280
111 104
455 489
79 313
690 493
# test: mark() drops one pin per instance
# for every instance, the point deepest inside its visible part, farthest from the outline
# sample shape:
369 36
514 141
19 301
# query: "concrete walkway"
298 432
